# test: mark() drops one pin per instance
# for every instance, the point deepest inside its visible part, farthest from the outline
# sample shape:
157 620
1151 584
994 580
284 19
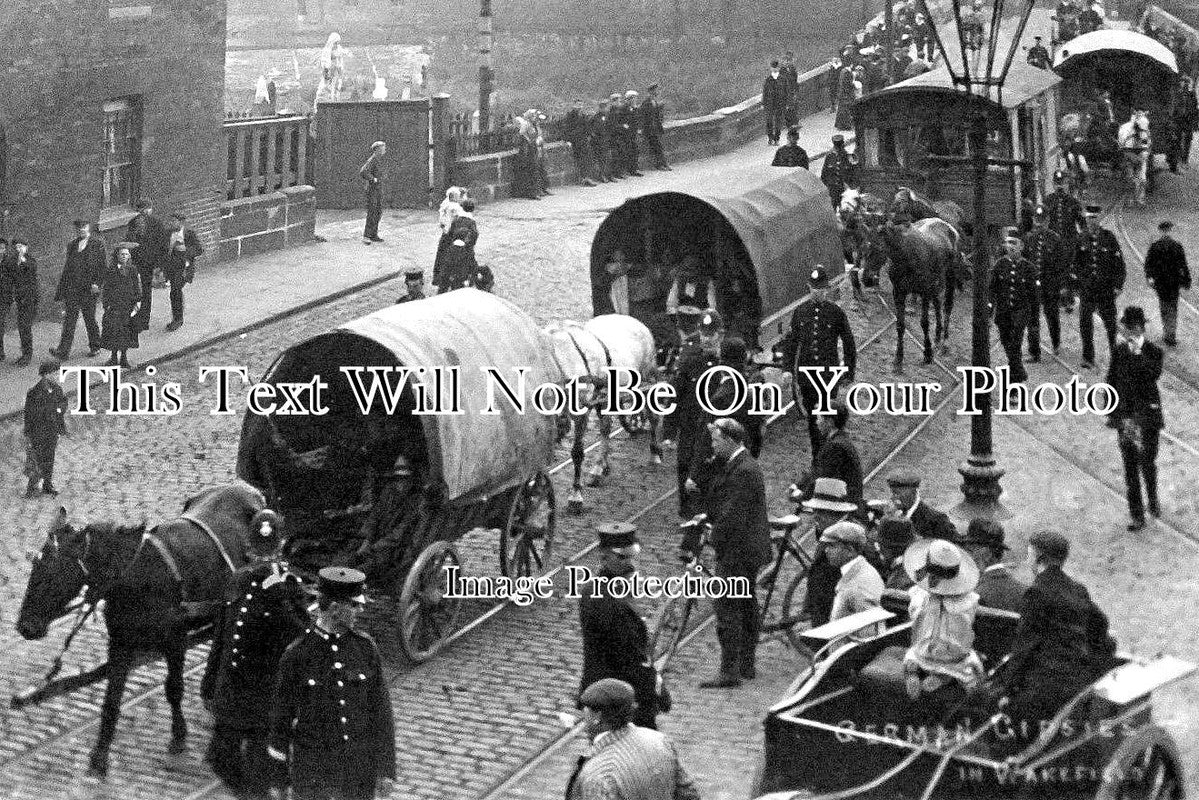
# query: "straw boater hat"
940 567
830 494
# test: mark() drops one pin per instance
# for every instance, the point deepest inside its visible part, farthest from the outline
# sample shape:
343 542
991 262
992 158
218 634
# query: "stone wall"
489 177
254 225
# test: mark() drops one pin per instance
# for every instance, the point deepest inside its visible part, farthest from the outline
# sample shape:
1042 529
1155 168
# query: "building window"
122 152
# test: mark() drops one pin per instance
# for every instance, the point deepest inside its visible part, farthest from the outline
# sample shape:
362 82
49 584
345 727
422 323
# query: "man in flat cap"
791 154
860 587
373 176
1099 274
149 233
45 421
838 171
1167 272
615 637
736 505
414 286
264 611
1134 372
1043 249
19 287
183 249
625 761
652 112
829 504
1061 645
1013 301
79 289
819 340
997 587
331 713
927 522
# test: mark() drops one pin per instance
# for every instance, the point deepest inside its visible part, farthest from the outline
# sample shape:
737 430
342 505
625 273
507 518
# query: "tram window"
888 153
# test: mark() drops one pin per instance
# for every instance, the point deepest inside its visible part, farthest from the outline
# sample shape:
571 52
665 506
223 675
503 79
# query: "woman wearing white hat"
943 607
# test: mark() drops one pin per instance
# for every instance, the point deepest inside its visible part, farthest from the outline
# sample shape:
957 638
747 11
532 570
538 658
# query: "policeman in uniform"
1099 273
691 418
263 613
1064 214
1038 56
838 171
818 326
1013 300
414 283
1043 249
331 711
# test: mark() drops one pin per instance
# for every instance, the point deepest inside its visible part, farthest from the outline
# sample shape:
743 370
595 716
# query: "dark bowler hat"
414 275
818 278
1038 38
1165 225
143 203
619 537
901 478
342 583
608 694
985 532
1094 211
1133 315
48 367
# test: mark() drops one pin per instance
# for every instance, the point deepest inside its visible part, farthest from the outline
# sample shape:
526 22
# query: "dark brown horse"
924 258
157 586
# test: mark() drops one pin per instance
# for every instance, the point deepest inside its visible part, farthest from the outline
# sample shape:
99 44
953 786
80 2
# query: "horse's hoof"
177 747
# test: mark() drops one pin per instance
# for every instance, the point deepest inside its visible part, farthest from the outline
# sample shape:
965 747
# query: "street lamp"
979 65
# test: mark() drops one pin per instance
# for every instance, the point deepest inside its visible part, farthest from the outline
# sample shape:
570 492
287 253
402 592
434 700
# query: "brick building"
103 102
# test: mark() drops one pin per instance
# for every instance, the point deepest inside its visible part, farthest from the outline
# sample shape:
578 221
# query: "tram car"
915 134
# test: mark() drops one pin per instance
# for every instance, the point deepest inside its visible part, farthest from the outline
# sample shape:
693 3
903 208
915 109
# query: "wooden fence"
267 154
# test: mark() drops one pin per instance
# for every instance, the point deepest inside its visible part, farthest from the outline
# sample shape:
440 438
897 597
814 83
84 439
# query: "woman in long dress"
449 209
121 296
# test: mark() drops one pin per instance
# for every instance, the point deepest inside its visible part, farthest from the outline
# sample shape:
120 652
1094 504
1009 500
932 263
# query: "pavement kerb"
288 312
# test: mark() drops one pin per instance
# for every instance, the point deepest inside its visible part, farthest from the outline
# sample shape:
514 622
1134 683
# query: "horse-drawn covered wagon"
741 244
847 728
914 134
389 488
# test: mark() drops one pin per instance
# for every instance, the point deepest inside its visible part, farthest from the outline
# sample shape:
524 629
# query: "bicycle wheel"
782 609
669 629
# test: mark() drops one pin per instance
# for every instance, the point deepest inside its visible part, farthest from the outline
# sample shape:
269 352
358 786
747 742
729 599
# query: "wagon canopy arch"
1139 71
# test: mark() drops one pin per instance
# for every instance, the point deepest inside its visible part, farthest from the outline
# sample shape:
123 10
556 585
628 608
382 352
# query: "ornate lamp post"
978 63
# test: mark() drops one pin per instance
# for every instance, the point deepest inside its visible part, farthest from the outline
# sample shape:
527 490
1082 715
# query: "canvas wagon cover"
478 454
1127 41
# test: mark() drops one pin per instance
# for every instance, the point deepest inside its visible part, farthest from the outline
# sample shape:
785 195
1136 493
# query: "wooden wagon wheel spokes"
527 539
1146 766
426 616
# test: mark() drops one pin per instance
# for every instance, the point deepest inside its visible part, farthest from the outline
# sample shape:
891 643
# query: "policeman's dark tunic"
820 334
1099 273
1043 249
690 417
1013 299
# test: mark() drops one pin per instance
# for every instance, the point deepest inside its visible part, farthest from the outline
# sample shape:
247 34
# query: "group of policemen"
604 143
297 701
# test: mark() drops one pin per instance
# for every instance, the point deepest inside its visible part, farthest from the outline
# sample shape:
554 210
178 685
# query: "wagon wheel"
528 537
1145 766
426 616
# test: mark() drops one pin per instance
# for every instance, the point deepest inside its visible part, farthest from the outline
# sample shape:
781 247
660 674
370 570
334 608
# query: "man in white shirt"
860 587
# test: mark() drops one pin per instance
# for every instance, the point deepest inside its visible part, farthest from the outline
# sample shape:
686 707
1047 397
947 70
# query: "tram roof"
1023 83
1128 41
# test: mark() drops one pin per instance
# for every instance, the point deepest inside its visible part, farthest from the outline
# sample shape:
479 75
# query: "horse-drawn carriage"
753 243
847 729
329 474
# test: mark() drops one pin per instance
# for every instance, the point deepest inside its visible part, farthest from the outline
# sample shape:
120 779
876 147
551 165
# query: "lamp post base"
980 486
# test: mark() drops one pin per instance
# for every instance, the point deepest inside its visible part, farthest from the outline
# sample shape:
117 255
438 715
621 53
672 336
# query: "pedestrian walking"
838 457
695 359
1013 301
652 128
615 636
1134 372
1043 249
450 208
736 506
150 235
121 296
331 713
1099 274
373 175
838 171
1065 217
774 102
820 340
79 289
1167 272
180 269
1186 118
576 129
625 761
791 154
264 611
19 288
414 286
45 421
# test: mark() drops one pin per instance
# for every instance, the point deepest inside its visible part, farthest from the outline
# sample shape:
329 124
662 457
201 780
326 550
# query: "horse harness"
583 355
168 558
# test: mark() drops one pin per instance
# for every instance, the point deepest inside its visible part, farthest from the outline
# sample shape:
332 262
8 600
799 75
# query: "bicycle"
781 617
672 621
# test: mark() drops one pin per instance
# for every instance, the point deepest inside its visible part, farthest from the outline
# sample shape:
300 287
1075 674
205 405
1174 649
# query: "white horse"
589 353
1137 146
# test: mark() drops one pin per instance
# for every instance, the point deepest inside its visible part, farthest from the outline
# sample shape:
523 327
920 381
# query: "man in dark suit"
791 154
615 637
180 268
689 416
1135 369
151 237
838 457
19 287
599 130
820 338
1064 215
1043 248
838 171
414 286
373 176
264 612
576 129
45 421
774 102
736 504
790 74
651 126
1167 272
1061 644
1038 55
79 289
1013 301
996 586
1099 274
927 522
629 122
